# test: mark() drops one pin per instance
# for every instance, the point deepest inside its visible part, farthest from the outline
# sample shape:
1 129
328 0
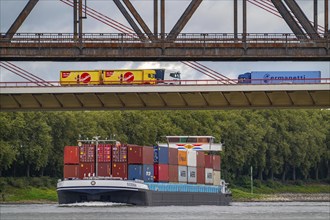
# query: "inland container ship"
184 171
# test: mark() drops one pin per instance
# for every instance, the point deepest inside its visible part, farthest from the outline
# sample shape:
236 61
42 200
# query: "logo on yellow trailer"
129 77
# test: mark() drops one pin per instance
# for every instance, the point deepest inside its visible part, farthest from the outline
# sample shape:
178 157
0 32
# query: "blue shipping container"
160 155
142 172
279 77
148 173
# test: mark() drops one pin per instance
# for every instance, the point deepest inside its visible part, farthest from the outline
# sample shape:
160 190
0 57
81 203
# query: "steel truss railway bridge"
308 41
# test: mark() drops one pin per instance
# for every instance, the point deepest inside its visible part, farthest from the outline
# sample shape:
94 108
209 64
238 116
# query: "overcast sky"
213 16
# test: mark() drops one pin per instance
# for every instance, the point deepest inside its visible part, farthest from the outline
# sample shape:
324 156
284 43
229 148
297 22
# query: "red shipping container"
87 153
173 173
200 175
216 163
119 170
104 153
140 155
200 155
161 173
71 155
104 169
100 152
119 153
86 169
208 161
173 156
71 171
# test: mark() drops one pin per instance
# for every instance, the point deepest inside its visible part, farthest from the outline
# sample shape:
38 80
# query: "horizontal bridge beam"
151 97
171 52
112 47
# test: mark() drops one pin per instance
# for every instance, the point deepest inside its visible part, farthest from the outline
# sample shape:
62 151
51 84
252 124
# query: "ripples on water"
94 204
100 211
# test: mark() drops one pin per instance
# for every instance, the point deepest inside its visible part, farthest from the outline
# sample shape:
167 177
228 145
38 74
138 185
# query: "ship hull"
188 198
138 198
117 191
134 194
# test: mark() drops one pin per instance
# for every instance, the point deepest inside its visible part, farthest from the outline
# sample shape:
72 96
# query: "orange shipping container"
71 155
182 158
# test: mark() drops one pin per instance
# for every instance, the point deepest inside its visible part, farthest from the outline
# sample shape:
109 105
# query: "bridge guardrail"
196 38
164 83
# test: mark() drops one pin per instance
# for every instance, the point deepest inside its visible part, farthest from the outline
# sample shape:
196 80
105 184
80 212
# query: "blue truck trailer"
279 77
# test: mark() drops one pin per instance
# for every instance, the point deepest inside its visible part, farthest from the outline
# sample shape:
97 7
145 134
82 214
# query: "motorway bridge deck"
162 97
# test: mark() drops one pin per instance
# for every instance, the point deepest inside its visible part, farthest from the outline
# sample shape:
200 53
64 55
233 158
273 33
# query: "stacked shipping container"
216 169
161 168
200 157
140 163
71 162
119 161
104 152
86 159
158 163
173 165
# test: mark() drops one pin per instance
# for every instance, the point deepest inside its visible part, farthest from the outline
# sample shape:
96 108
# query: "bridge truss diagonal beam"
302 18
21 18
181 23
129 19
285 13
139 19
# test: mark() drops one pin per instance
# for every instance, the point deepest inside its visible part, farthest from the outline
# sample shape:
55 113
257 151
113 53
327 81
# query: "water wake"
94 204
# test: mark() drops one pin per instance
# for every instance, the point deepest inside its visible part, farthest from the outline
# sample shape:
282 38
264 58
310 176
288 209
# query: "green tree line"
278 144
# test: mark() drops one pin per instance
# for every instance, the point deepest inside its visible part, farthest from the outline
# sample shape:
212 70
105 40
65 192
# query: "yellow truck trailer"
143 76
81 77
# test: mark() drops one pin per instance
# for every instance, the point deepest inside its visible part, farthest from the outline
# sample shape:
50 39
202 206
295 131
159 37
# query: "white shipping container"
209 176
191 158
217 178
183 174
192 175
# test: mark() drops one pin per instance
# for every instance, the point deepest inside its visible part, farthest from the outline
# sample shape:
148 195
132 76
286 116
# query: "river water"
100 211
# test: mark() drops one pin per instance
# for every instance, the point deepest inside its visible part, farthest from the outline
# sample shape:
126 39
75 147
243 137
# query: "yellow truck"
119 76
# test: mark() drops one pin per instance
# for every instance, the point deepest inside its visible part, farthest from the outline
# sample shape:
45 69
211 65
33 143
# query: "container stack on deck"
173 165
150 164
104 152
71 161
161 168
119 161
86 159
140 163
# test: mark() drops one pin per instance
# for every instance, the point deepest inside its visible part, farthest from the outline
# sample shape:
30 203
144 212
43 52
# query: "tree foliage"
282 144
